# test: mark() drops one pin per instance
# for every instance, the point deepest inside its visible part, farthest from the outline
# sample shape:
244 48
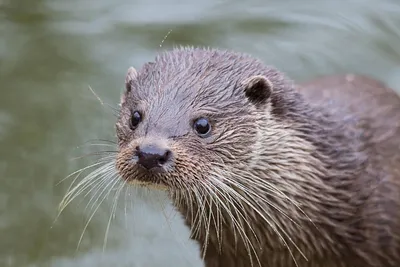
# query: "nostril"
167 154
162 161
164 158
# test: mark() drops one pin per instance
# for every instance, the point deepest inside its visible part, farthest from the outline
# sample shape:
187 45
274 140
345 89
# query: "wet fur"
309 177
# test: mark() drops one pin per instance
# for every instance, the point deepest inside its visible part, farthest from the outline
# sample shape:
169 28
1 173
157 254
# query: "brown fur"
305 175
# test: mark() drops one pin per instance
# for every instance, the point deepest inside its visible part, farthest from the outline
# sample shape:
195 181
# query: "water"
50 51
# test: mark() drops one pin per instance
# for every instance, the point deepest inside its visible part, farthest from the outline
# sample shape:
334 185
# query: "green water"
50 51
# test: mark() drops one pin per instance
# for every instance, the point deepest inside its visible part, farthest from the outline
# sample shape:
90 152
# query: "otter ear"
258 89
130 76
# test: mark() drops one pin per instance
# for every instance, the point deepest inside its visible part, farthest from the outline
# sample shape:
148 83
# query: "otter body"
266 172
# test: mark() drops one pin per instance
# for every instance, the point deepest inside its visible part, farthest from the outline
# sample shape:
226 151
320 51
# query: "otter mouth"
147 184
150 176
135 174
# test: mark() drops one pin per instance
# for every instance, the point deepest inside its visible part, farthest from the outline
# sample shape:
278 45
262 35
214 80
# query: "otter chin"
265 171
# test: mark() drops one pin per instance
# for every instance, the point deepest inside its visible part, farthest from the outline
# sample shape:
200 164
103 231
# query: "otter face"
189 117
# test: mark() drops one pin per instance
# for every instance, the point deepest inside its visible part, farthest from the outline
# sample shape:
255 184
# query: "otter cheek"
124 163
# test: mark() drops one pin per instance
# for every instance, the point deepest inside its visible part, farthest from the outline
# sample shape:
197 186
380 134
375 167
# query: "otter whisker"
227 191
218 226
82 185
200 217
113 109
232 218
203 211
266 187
207 221
94 199
273 191
233 201
235 223
248 244
187 198
101 140
68 196
270 203
273 226
113 210
215 220
200 211
80 171
201 214
101 177
165 38
94 93
277 224
97 153
125 206
128 195
181 198
99 144
74 192
217 223
101 181
166 216
269 190
195 220
191 205
111 184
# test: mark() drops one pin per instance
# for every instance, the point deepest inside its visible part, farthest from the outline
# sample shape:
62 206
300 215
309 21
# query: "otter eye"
136 118
202 127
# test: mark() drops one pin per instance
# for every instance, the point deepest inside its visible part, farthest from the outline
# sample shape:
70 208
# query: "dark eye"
202 127
136 118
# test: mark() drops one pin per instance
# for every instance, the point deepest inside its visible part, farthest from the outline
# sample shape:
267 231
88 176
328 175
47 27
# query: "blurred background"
52 50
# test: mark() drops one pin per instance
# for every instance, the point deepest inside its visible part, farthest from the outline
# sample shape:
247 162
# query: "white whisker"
82 185
273 226
110 185
248 244
113 210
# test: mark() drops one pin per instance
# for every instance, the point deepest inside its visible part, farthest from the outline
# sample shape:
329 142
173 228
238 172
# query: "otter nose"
152 156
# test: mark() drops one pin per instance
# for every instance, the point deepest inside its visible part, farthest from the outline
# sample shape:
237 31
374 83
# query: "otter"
266 172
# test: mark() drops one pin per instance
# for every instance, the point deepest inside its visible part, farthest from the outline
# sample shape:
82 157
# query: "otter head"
190 118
